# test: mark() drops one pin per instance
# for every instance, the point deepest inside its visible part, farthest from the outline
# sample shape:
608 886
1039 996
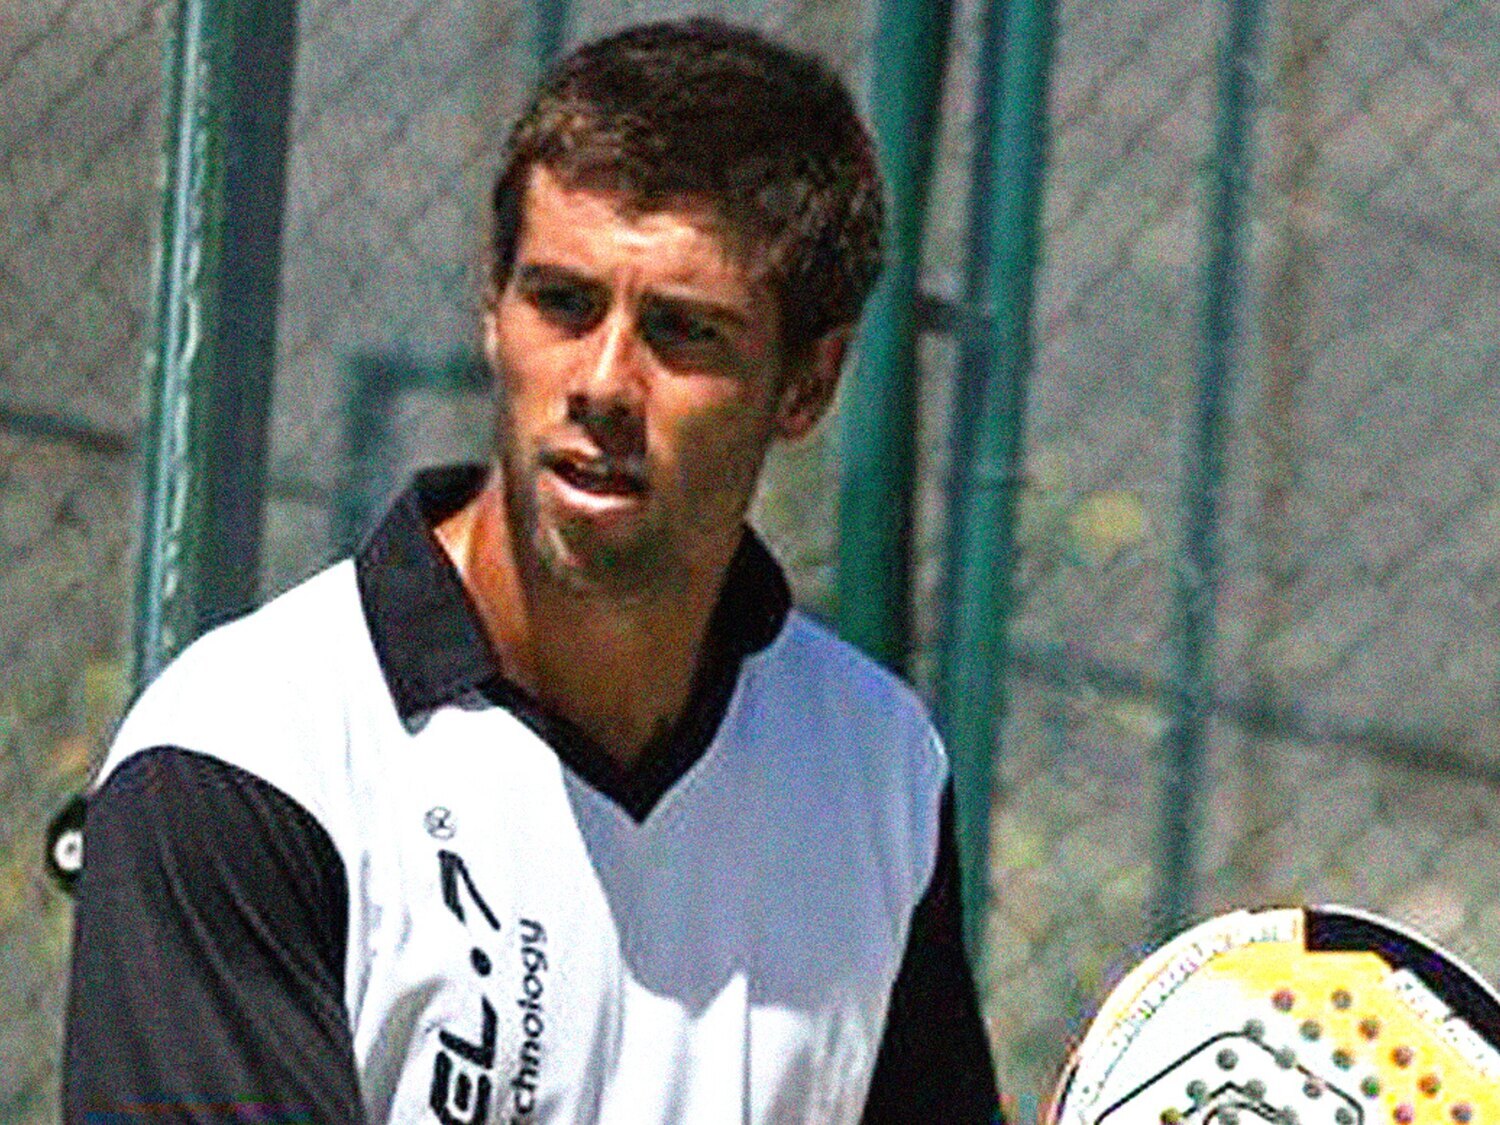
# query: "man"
546 807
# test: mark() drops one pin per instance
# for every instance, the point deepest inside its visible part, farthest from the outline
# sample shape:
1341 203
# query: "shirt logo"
463 1074
440 823
468 1073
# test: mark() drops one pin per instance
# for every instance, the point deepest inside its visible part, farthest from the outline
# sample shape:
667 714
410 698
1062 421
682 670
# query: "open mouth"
597 477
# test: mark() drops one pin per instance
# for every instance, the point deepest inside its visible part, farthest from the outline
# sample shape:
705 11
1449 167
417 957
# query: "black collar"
433 649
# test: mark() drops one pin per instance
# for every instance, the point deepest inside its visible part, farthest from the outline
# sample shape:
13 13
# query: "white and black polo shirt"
338 869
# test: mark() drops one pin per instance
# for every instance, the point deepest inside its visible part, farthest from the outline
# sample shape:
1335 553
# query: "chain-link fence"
1355 754
1354 750
399 118
79 139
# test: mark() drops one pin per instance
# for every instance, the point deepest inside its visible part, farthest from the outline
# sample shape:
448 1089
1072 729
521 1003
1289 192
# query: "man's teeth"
598 478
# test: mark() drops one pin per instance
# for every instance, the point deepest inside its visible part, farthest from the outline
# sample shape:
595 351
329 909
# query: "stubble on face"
569 553
692 435
574 554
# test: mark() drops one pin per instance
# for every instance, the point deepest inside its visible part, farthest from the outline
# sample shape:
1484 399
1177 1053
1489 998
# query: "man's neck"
619 667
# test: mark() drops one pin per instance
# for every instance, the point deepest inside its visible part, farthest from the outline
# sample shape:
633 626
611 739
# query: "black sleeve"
208 959
934 1062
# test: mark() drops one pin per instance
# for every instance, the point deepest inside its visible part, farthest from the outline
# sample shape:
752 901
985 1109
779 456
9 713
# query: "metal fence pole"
369 402
1198 565
879 408
549 30
972 325
374 384
262 59
208 372
971 690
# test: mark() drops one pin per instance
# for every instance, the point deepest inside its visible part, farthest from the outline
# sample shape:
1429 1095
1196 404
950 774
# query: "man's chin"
585 560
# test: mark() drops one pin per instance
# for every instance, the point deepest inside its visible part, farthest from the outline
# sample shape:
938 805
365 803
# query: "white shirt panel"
728 958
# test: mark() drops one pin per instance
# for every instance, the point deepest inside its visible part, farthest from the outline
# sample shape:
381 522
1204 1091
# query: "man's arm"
208 958
934 1062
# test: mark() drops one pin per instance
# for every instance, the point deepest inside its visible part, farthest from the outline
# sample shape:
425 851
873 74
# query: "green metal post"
549 30
374 383
971 691
369 404
178 368
879 407
1198 565
262 56
971 316
208 375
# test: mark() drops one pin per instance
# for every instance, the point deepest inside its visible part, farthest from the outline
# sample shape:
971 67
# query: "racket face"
1323 1016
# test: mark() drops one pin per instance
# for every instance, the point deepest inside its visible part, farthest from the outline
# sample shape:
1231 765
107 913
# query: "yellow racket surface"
1240 1021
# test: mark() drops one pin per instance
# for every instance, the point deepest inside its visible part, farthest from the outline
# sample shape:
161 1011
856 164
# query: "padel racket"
1316 1016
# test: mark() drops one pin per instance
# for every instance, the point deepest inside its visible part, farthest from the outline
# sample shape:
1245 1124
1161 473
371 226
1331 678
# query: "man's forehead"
582 203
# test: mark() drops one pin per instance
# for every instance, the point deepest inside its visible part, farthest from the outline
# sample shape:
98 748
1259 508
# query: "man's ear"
489 339
811 381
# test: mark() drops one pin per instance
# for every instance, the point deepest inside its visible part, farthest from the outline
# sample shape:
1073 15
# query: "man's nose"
606 397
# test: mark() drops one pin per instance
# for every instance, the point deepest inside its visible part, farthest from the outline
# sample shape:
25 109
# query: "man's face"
641 380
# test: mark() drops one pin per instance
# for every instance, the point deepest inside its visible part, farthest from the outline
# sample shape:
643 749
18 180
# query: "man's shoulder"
275 646
263 687
809 654
836 699
848 731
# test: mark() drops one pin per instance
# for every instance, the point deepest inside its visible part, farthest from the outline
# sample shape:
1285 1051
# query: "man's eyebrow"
701 307
542 274
535 274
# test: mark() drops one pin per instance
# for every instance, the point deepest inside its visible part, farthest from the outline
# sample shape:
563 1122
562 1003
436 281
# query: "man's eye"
565 303
672 328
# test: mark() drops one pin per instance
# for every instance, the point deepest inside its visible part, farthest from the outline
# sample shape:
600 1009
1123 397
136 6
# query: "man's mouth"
597 476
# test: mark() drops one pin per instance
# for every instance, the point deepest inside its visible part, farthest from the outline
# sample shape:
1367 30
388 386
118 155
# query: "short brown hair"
698 112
